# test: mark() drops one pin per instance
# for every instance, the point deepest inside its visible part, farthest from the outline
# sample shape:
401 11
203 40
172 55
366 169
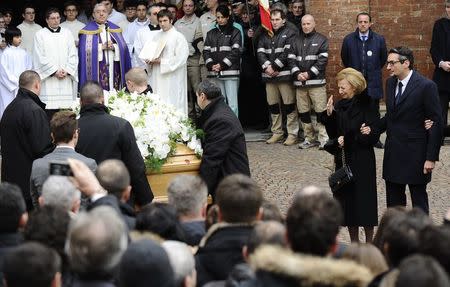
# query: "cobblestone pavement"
282 170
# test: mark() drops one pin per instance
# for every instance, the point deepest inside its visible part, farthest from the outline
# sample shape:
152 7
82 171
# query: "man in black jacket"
272 55
224 148
440 54
239 199
108 137
25 134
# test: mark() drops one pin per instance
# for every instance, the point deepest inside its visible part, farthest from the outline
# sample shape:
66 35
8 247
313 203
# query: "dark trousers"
445 98
395 195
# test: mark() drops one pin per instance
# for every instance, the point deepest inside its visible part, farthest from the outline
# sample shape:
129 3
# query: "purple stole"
89 68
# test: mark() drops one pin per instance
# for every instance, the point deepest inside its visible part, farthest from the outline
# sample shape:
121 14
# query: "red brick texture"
401 22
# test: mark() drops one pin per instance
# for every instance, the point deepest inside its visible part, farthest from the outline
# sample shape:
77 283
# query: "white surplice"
13 62
28 32
169 78
74 27
129 35
142 36
51 52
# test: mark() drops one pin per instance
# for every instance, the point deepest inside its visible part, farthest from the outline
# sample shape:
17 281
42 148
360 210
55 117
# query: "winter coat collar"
221 226
94 109
309 270
209 109
29 94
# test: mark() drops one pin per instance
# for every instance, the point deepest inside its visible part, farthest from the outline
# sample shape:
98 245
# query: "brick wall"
401 22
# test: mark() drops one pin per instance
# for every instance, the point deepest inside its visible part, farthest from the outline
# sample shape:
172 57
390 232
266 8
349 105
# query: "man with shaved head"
108 137
25 134
308 60
136 81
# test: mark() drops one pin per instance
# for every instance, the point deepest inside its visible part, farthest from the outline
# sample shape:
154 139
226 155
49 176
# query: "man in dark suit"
25 134
224 148
108 137
64 132
411 151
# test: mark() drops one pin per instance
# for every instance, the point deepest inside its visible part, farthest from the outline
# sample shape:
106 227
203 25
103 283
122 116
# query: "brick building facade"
401 22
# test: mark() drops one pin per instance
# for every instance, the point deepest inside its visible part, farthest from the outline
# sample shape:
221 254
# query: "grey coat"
40 170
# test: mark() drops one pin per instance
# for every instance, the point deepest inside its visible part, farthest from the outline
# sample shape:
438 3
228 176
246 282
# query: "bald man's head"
308 24
136 79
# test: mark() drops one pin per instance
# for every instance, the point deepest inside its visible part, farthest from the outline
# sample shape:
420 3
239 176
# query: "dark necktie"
363 38
399 93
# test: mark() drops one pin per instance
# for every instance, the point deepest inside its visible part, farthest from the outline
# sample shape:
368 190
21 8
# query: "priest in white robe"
13 62
55 59
169 70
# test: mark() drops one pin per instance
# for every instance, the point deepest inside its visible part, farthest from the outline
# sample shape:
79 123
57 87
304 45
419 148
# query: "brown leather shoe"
291 140
274 138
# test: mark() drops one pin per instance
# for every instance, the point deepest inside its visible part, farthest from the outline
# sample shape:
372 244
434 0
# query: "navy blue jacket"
367 57
408 144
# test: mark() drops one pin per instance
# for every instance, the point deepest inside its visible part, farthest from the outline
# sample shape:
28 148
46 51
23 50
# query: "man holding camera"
64 132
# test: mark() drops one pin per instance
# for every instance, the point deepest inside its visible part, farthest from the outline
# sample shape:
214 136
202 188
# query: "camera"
60 168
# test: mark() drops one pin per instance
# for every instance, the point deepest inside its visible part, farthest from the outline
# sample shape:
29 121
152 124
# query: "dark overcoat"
224 148
103 136
25 136
408 145
367 57
440 51
358 198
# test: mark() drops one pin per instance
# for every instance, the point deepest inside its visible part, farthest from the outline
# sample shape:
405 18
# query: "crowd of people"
97 224
242 240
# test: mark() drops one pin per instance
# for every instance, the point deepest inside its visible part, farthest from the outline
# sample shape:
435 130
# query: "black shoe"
379 145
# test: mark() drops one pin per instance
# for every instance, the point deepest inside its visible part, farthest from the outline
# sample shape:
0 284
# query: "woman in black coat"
349 128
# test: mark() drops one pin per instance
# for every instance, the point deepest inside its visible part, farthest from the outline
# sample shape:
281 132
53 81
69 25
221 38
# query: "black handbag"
340 177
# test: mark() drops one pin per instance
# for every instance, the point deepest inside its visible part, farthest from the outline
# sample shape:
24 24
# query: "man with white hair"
60 191
95 243
182 262
103 52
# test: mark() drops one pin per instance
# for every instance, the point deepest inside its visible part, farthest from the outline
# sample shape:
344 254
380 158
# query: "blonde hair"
354 77
366 255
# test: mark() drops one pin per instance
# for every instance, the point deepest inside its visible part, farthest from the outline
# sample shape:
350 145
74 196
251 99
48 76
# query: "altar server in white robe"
71 23
141 22
146 34
13 62
169 71
28 27
55 59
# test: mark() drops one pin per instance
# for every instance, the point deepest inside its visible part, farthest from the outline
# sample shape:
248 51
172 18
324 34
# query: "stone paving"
282 170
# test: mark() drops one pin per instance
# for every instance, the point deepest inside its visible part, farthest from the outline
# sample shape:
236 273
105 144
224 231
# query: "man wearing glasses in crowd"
410 150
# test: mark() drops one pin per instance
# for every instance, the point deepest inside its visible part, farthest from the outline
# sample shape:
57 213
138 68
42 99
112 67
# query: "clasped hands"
61 74
108 46
271 72
303 76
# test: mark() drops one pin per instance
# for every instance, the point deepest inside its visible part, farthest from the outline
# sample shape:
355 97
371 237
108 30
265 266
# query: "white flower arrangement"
158 126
